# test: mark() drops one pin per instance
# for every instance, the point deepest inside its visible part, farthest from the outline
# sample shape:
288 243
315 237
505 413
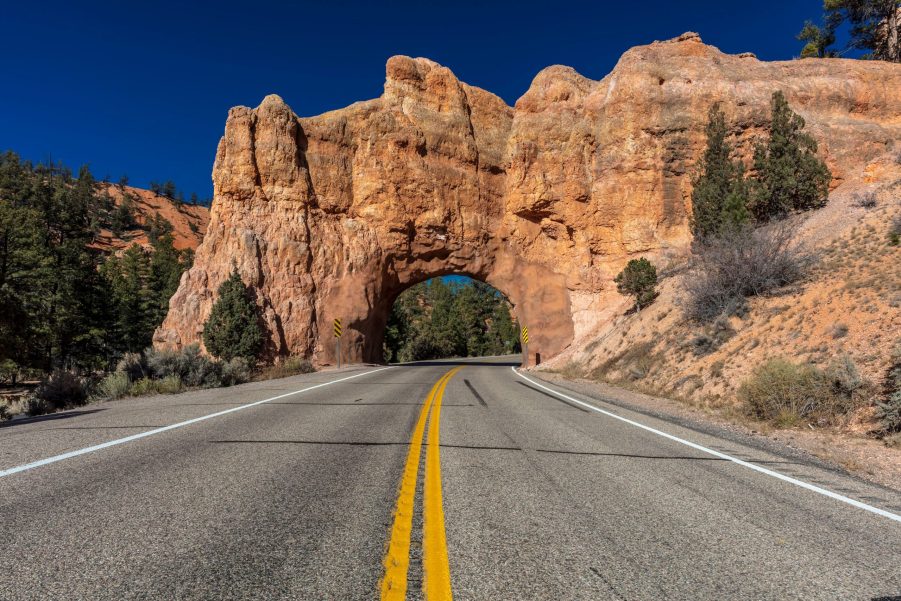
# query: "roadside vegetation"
744 236
747 252
436 319
788 394
638 279
76 323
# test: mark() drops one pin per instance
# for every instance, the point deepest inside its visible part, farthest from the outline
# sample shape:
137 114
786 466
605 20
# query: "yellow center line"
397 557
437 584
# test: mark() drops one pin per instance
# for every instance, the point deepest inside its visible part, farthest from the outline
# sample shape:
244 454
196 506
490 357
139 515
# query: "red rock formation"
334 215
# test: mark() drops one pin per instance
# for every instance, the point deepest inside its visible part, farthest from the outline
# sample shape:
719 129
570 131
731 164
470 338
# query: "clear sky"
143 88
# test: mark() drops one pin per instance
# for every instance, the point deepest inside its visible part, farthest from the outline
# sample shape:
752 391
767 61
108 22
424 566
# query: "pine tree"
875 26
166 266
233 328
639 279
818 40
128 278
719 192
788 176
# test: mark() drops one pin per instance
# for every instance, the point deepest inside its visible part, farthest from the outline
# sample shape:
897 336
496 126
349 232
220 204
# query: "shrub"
298 365
189 365
114 386
9 371
36 406
4 413
639 279
844 377
168 385
894 233
865 199
62 389
839 330
716 334
233 328
747 262
236 371
889 411
289 367
133 365
785 393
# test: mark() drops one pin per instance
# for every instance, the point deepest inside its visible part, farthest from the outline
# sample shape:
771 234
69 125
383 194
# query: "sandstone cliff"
333 216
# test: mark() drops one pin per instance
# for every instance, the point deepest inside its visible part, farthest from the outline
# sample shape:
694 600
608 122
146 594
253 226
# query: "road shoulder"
864 459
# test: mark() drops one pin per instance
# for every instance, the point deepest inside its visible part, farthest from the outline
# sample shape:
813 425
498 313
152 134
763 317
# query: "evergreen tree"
817 40
233 328
157 227
122 216
169 190
639 279
875 26
128 278
719 193
788 174
166 266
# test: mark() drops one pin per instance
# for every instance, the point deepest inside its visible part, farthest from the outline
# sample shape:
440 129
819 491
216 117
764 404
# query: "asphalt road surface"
335 485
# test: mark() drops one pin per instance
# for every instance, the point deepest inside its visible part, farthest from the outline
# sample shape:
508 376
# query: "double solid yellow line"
436 585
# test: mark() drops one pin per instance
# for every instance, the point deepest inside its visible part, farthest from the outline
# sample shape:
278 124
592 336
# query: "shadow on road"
47 418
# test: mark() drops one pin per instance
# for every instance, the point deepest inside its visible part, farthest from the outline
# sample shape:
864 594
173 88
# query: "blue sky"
143 88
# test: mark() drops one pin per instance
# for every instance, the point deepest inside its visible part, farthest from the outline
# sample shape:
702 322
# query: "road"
336 489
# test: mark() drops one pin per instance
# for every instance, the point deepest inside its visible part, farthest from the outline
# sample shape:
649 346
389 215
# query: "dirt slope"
146 204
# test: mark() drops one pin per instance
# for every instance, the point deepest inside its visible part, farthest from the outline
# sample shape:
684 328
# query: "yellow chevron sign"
337 328
525 335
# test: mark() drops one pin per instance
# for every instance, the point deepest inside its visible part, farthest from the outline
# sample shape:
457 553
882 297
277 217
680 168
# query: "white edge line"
118 441
703 449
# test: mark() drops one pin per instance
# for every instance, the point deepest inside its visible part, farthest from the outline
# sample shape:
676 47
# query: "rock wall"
335 215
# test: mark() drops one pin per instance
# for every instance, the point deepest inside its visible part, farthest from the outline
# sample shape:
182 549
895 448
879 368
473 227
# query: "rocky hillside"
849 304
189 222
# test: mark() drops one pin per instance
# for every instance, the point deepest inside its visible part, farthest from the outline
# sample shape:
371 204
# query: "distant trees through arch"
452 316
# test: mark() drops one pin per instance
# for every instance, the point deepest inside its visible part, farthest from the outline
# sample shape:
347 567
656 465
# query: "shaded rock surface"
333 216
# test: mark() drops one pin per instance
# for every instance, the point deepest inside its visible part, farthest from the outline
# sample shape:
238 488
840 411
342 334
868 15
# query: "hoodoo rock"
333 216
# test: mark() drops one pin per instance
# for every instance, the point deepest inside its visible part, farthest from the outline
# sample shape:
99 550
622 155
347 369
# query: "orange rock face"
333 216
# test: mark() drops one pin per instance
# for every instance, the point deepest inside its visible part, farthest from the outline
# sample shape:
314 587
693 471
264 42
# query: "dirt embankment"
188 221
848 304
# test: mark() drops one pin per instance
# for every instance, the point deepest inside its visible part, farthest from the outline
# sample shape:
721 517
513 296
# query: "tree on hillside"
233 328
638 279
788 175
874 27
169 190
157 226
122 216
719 193
818 39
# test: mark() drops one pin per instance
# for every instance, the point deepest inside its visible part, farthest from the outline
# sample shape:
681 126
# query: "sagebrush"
729 268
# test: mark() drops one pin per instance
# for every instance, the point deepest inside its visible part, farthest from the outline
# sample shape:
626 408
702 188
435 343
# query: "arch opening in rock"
447 317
